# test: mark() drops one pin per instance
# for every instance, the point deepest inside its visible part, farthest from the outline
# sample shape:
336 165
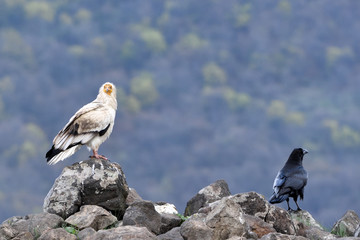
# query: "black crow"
291 179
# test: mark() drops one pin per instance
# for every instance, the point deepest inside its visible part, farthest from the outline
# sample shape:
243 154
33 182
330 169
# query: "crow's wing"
279 182
288 180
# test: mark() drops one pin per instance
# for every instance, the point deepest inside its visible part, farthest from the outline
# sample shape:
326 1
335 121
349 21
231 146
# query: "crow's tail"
278 199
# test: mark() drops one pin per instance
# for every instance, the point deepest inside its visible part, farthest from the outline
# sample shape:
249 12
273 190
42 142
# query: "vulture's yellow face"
108 88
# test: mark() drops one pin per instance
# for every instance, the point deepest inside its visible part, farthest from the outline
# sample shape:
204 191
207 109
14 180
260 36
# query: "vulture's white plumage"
91 126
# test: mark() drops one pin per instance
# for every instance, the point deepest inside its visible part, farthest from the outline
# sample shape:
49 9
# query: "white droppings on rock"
166 208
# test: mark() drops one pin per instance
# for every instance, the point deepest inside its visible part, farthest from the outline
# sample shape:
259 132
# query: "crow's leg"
298 208
295 200
289 208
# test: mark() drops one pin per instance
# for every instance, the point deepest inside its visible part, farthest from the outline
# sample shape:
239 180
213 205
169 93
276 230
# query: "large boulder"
143 213
232 217
30 226
91 216
173 234
252 203
91 182
280 236
307 226
195 228
280 220
56 234
123 233
207 195
347 224
357 231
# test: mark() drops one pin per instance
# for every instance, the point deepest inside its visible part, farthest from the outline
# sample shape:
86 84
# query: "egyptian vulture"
91 126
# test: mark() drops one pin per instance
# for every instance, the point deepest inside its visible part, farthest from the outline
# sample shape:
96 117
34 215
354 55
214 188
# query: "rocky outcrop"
347 225
250 216
143 213
56 234
30 226
123 233
91 182
207 195
215 213
91 216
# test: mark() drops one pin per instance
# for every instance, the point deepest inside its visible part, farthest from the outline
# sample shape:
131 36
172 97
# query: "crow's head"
297 154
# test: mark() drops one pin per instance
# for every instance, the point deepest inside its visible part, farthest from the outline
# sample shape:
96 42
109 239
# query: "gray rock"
280 220
32 225
346 225
123 233
280 236
348 238
209 194
57 234
173 234
169 221
143 214
132 197
91 216
228 220
357 231
86 233
91 182
195 228
256 226
307 226
252 203
316 233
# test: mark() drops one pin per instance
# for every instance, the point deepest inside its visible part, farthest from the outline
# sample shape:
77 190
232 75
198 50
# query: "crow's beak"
305 151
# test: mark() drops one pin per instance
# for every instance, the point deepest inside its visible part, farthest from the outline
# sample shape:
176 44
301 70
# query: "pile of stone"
91 200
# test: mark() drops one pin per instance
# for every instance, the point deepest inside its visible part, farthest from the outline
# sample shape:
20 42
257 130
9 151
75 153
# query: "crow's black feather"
291 179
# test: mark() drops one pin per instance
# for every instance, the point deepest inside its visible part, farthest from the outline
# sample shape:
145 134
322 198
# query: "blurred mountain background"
207 90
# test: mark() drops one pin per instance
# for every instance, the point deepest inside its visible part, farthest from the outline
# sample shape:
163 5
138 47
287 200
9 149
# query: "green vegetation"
182 217
340 231
70 228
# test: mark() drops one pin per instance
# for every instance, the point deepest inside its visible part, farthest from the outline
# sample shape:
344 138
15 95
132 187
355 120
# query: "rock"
347 225
280 236
253 204
316 233
307 226
257 226
91 182
304 219
32 225
169 221
357 231
132 197
91 216
167 208
195 228
144 214
280 220
57 234
226 220
209 194
123 233
173 234
85 233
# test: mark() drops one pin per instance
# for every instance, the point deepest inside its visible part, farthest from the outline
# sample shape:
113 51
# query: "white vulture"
91 126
